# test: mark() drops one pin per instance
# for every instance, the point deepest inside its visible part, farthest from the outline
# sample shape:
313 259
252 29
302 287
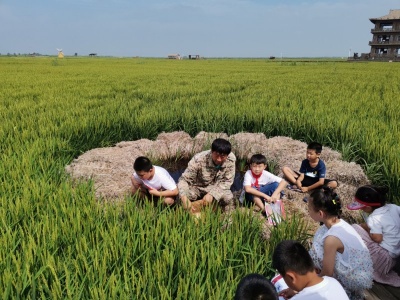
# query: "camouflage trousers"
223 197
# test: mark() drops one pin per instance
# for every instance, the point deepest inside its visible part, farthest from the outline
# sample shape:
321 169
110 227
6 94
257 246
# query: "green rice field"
58 241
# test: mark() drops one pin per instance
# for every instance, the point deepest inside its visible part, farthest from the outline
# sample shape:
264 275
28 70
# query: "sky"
209 28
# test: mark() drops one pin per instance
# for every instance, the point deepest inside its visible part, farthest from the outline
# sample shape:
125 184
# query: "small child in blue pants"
260 185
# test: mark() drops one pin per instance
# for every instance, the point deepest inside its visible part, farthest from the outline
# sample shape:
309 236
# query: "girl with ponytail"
338 250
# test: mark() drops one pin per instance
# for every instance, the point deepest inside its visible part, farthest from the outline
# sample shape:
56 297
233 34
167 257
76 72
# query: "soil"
111 168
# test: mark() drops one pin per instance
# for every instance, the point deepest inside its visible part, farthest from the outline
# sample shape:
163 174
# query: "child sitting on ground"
381 233
312 171
260 185
153 181
255 287
337 249
295 265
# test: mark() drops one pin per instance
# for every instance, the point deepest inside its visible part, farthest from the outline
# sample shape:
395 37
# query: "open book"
279 284
275 212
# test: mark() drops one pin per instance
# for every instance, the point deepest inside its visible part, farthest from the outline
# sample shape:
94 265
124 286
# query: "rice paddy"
58 241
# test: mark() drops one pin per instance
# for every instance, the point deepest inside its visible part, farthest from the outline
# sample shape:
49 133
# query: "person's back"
296 266
328 289
385 220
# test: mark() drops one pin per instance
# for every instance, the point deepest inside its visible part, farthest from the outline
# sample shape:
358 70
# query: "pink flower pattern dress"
353 268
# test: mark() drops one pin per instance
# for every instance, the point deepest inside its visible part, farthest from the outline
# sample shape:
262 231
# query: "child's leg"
290 175
382 261
269 189
259 203
250 199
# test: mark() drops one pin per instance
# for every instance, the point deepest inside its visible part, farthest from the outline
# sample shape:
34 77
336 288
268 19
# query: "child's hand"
268 198
304 189
275 196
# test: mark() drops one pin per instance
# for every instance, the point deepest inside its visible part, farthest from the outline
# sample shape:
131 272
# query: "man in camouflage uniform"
209 176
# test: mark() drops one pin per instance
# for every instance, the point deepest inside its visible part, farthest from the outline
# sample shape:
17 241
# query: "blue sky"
210 28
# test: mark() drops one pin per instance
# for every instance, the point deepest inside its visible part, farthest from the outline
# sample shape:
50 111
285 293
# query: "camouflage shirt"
203 173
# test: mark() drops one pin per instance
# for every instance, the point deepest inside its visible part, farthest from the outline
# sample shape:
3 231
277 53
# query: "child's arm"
365 227
376 227
277 193
166 193
376 237
255 192
331 245
136 185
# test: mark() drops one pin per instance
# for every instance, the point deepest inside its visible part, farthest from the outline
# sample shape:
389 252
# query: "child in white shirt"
381 233
337 249
296 266
260 185
153 181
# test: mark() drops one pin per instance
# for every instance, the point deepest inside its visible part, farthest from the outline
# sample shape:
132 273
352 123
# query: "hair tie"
334 202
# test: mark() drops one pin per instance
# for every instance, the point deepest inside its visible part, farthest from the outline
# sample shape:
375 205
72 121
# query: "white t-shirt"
161 180
328 289
385 220
265 178
353 268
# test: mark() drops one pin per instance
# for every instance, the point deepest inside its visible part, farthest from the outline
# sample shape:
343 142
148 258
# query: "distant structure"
385 44
195 56
60 53
92 54
174 56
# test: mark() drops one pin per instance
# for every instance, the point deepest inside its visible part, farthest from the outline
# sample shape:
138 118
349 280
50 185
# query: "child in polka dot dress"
338 250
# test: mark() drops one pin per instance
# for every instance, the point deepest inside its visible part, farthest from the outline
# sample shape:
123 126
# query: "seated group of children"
344 259
354 255
259 185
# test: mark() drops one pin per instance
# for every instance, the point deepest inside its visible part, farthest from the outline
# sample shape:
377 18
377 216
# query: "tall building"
385 44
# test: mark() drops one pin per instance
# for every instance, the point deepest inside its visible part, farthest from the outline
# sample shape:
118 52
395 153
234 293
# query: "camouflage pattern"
202 177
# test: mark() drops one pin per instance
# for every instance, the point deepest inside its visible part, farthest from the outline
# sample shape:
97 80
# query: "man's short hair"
293 256
221 146
142 163
315 146
258 159
255 287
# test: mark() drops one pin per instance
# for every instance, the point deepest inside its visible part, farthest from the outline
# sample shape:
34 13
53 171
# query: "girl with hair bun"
337 249
381 233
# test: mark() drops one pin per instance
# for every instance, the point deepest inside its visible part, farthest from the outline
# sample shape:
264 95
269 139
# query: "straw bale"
110 168
349 172
176 144
203 140
245 144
